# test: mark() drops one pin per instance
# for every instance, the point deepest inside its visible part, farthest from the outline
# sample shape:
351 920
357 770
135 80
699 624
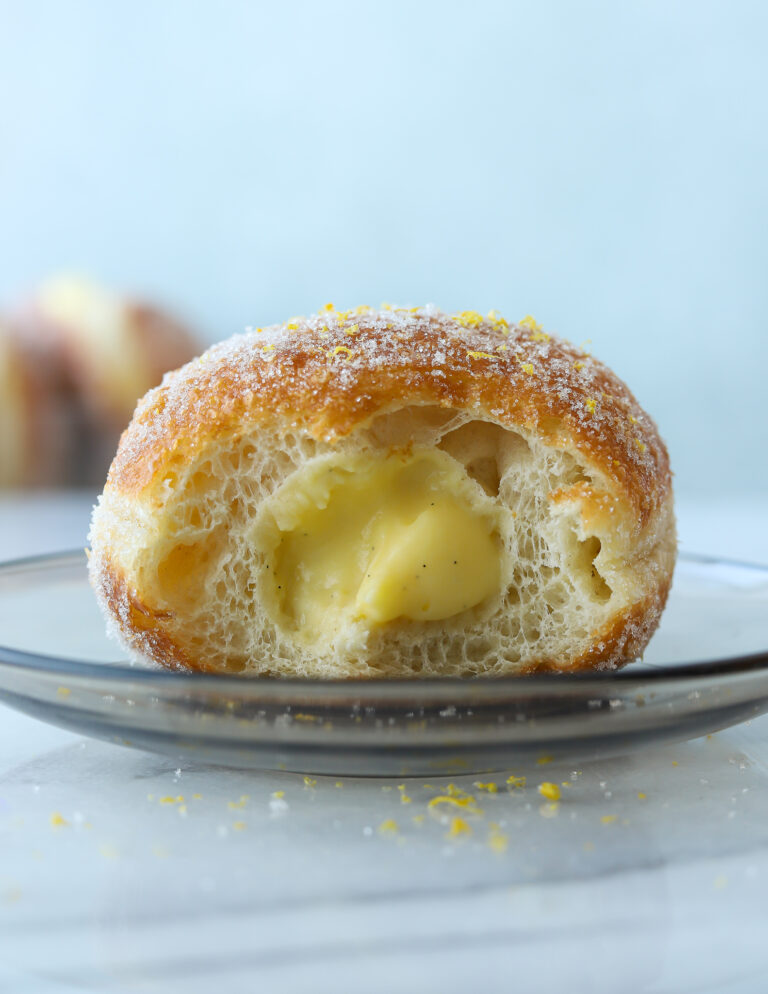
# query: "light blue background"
600 165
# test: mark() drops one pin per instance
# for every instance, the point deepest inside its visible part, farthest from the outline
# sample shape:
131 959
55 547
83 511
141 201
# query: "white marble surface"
108 882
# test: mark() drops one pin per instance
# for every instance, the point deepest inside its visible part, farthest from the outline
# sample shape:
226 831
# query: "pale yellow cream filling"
371 539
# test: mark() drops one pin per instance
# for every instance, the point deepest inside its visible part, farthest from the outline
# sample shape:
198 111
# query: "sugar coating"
308 363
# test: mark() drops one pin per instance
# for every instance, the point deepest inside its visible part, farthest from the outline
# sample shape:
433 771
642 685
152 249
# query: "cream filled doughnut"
13 415
83 355
113 348
392 493
35 441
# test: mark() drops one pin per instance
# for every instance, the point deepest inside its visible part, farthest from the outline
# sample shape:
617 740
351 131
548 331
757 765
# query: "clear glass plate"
706 668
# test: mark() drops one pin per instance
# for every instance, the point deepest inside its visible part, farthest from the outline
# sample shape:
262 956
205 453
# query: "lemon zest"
530 323
339 350
458 827
549 790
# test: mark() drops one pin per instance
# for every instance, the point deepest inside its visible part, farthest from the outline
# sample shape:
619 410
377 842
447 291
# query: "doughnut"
113 348
12 414
34 436
81 356
391 493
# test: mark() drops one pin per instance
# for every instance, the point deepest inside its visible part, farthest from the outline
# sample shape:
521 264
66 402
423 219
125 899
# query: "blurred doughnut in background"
74 359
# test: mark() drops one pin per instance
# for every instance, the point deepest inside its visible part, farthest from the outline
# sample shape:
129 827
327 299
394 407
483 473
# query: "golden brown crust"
333 372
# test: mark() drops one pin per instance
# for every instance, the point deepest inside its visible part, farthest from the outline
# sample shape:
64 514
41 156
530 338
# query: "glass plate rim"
31 662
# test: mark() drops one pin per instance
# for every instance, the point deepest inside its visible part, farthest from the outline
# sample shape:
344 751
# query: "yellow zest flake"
352 330
404 798
530 323
633 419
310 782
458 827
492 788
58 820
608 819
469 319
641 796
542 760
578 366
341 316
238 804
418 819
467 803
338 784
549 790
267 348
197 797
305 717
328 307
498 322
513 781
527 367
339 350
168 799
453 791
675 762
238 825
540 336
362 309
641 445
277 794
497 840
479 355
591 404
63 691
389 827
292 326
501 348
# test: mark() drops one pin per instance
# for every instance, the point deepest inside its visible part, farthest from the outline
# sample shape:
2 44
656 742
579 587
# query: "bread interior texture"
224 533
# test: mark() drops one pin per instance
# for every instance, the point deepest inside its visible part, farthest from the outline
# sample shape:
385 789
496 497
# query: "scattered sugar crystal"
277 806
